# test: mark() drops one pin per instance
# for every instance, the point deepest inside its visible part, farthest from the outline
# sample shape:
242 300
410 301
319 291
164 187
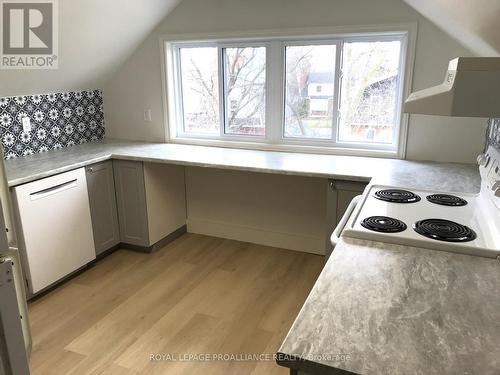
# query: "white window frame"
275 41
223 120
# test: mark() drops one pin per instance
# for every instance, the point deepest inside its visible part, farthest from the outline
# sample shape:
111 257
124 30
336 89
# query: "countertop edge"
69 167
296 363
288 172
237 167
377 170
346 244
21 181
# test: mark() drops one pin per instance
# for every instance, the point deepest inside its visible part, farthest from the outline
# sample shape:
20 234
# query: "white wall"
434 137
137 85
476 27
95 38
288 212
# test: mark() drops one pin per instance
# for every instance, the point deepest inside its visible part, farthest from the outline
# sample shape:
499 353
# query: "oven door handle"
335 237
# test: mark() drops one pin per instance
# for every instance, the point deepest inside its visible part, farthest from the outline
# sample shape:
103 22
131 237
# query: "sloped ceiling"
95 38
473 23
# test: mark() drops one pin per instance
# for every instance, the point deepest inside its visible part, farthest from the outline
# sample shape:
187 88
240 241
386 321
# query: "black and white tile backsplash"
57 121
494 133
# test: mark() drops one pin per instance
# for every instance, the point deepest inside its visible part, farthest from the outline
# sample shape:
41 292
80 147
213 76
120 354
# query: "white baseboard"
290 241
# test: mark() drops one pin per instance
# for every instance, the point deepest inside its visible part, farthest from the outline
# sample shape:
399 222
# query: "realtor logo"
29 34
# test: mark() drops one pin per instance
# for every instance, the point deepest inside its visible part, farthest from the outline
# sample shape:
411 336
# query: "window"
200 97
369 90
245 90
337 92
307 114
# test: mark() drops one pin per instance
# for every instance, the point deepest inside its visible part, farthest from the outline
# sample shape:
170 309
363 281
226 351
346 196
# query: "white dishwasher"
54 225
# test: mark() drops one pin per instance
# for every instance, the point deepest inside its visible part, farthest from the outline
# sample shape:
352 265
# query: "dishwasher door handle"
53 190
335 237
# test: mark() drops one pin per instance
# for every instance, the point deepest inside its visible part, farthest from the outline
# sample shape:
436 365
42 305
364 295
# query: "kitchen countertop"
392 309
380 308
389 309
463 178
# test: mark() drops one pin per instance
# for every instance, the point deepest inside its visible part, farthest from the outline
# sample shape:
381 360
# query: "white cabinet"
55 229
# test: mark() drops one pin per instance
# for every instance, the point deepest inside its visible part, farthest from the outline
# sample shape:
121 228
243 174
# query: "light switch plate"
147 115
26 124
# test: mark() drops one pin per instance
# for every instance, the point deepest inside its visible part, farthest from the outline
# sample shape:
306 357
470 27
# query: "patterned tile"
57 120
494 133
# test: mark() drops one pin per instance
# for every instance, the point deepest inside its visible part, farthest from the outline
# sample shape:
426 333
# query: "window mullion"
222 90
398 113
179 108
274 91
337 91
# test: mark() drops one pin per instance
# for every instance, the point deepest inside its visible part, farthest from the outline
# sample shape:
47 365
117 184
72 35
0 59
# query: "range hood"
471 88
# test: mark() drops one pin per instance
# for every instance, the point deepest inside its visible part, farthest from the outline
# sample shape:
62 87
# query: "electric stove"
447 221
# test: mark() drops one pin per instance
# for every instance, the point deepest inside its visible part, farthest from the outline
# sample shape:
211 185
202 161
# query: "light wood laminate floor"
199 294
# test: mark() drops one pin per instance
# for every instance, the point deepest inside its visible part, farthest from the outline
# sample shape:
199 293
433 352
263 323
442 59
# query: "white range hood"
471 88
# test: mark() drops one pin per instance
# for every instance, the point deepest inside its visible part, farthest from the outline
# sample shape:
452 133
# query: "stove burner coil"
397 196
383 224
446 200
444 230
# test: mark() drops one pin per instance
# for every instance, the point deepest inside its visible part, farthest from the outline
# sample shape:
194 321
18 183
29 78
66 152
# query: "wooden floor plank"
199 294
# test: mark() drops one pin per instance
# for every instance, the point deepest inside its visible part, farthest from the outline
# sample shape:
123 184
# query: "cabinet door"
347 190
131 199
101 188
339 195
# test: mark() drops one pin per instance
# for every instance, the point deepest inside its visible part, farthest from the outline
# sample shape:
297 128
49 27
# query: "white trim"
337 92
291 33
285 240
297 148
164 63
411 46
222 91
274 94
407 31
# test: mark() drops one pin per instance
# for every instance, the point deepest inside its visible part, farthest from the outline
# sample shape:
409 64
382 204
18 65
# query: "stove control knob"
496 188
481 159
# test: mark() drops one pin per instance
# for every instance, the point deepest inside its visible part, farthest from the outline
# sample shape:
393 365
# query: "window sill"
288 148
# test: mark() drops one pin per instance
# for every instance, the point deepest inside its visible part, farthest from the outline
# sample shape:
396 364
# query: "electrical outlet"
147 115
26 124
